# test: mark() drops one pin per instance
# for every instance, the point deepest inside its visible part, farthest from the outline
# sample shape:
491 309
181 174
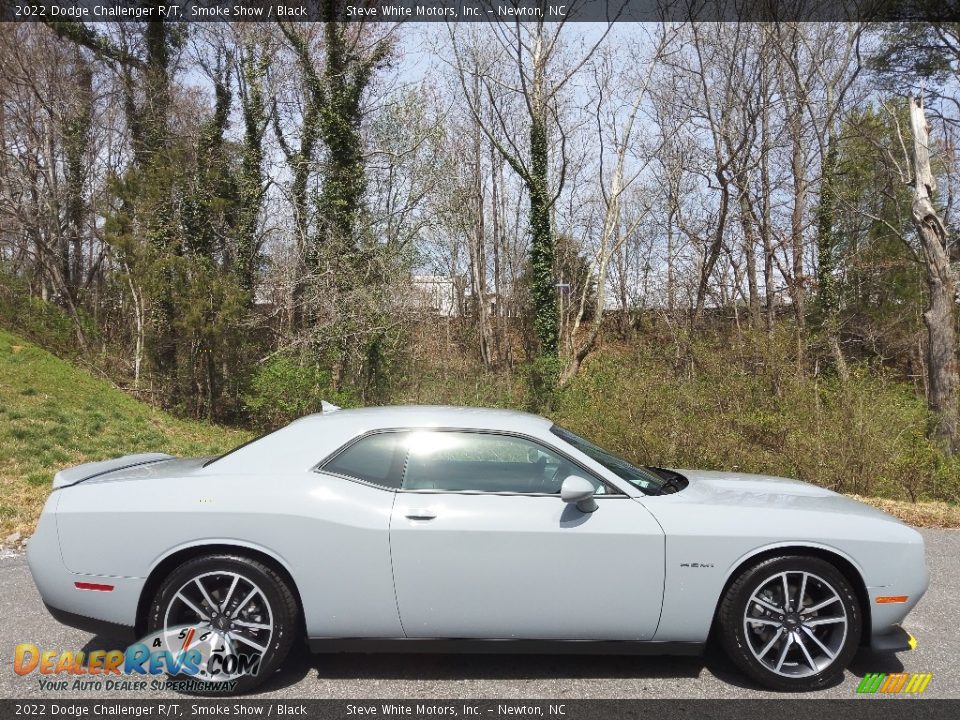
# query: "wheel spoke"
783 653
763 621
228 644
248 598
806 653
821 605
186 601
770 644
829 653
233 586
786 593
247 641
251 625
206 595
769 606
803 590
824 621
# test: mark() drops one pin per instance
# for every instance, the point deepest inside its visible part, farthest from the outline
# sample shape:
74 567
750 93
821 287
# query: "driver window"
483 462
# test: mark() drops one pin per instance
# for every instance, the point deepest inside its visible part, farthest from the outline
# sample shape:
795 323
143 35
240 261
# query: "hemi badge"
884 599
93 586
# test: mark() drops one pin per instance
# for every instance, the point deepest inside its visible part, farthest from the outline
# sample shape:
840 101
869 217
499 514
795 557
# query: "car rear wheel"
232 606
791 623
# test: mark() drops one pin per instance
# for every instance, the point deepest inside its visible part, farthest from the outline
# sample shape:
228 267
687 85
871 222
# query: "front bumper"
894 640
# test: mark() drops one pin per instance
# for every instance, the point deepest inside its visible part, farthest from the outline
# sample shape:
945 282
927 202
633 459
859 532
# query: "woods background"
722 245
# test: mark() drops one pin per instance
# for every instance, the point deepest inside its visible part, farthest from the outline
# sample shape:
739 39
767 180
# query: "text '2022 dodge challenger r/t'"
404 528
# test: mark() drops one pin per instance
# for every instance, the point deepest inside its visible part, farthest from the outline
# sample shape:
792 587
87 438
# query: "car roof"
307 441
394 416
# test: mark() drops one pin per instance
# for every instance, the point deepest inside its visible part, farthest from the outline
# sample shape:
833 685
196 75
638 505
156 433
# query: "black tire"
841 640
283 607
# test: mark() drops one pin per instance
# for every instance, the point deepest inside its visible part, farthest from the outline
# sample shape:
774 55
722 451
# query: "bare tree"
940 316
615 227
538 78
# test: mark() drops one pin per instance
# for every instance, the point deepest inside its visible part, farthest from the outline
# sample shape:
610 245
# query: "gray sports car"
402 528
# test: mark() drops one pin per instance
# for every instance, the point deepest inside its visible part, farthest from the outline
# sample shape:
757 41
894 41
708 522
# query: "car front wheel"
791 623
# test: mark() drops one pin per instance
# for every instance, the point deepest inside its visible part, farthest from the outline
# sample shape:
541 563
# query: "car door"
483 547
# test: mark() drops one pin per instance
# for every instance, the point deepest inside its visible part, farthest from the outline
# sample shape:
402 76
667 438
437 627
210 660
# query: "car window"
648 482
372 459
484 462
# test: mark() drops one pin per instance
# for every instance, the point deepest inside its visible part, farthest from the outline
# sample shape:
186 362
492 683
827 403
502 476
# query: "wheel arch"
844 565
173 559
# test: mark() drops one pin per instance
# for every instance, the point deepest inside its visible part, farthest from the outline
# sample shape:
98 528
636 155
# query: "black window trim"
611 490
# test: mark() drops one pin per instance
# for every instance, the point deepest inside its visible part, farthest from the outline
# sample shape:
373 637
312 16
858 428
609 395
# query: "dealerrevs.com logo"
189 656
894 683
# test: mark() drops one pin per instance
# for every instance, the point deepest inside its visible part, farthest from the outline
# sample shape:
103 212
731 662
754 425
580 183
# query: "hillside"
54 414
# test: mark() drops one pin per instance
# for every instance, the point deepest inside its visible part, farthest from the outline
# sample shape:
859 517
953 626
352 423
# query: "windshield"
640 478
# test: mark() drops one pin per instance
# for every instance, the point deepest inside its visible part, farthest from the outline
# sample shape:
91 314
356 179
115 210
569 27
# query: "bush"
43 322
732 403
285 387
865 436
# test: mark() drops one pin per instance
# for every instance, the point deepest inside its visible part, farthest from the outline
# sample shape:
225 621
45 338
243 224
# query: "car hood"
766 491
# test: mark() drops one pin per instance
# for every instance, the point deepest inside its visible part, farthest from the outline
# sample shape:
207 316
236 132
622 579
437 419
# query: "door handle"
421 514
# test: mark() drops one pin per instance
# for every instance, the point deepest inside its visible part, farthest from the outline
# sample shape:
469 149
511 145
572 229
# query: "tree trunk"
76 146
750 250
545 318
254 63
939 317
798 278
714 249
828 300
769 287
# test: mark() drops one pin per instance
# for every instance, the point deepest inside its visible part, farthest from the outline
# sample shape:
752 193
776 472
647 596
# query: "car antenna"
327 408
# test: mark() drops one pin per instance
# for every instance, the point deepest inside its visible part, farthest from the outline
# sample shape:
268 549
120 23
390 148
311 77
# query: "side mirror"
576 489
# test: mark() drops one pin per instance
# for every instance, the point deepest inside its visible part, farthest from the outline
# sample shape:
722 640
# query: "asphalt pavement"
935 623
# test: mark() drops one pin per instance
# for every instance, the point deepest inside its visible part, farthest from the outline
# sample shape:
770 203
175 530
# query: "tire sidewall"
283 621
734 635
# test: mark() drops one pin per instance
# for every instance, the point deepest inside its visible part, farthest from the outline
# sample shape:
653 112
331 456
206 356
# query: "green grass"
54 415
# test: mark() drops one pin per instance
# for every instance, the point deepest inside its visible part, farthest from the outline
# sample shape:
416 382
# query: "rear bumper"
894 640
100 628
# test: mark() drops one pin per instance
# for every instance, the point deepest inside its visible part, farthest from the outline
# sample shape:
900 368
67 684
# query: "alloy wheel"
795 624
230 606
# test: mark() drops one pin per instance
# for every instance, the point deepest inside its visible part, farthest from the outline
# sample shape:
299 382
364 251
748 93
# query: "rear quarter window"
373 459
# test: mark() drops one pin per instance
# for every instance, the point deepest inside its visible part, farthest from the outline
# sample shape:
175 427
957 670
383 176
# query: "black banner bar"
866 708
477 10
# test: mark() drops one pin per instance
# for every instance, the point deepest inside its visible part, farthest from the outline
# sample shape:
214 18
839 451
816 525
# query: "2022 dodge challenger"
441 528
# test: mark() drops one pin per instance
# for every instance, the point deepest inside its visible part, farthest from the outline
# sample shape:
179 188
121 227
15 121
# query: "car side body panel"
525 567
330 534
722 520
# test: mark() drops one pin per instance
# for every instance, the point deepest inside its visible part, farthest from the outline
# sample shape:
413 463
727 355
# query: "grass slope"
54 415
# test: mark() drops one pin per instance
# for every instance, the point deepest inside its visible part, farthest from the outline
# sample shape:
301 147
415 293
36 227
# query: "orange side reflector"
883 599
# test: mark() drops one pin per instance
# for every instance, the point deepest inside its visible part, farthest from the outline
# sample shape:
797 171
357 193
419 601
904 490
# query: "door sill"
505 646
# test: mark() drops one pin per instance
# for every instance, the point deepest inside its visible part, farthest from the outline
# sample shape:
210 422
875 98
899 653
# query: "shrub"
284 387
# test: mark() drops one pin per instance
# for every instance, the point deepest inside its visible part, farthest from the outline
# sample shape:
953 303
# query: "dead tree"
940 315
